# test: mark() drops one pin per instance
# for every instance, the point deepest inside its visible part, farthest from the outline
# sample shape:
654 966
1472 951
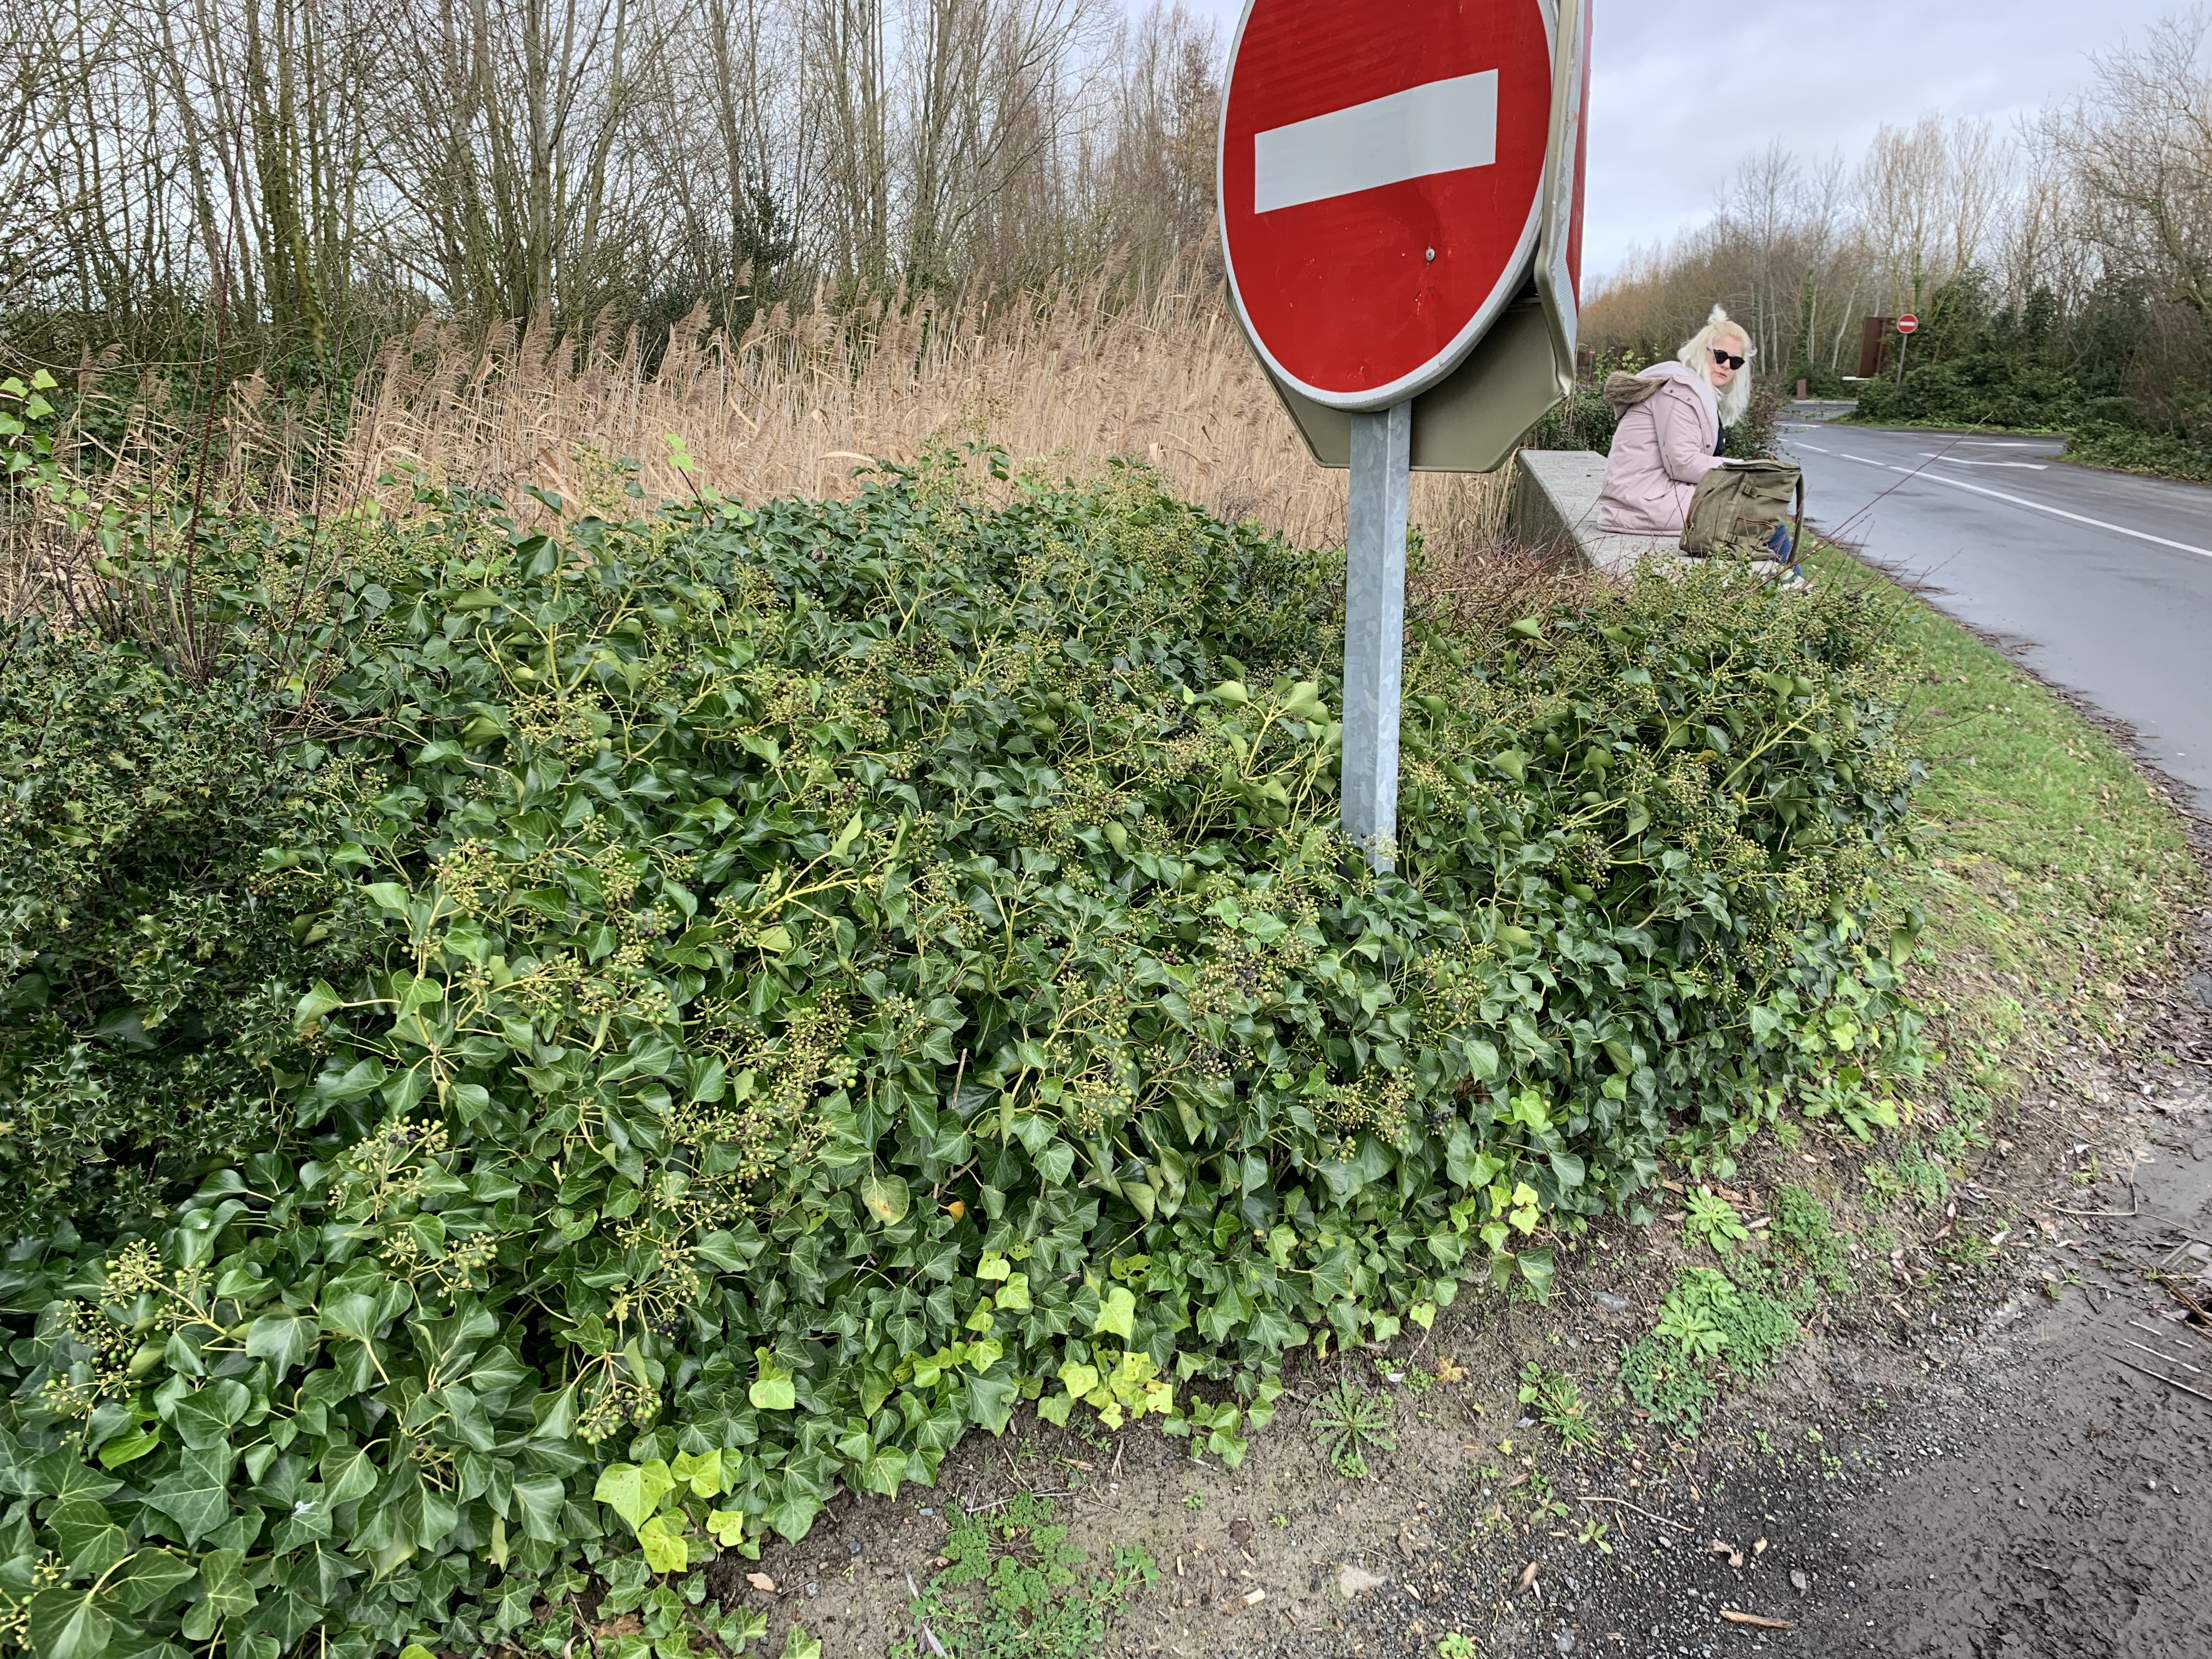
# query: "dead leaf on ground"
1735 1618
762 1581
1527 1577
628 1624
1448 1371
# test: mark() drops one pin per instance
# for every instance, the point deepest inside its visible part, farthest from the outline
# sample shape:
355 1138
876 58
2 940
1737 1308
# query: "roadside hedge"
766 991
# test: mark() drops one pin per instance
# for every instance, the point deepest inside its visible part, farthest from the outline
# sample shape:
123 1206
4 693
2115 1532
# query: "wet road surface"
2104 578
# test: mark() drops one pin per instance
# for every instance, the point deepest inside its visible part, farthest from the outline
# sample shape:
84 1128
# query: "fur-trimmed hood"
1624 392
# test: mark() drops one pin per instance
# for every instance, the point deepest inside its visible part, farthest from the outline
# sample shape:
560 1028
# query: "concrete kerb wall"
1553 505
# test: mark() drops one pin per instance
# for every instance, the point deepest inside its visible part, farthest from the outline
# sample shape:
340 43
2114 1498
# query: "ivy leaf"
1536 1267
774 1390
664 1548
887 1199
196 1493
883 1470
281 1339
702 1474
65 1624
91 1540
206 1417
224 1593
795 1514
148 1577
799 1646
1117 1313
320 999
728 1527
128 1447
348 1473
633 1491
538 1499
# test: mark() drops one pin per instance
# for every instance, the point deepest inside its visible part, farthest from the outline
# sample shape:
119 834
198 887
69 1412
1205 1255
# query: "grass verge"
2055 872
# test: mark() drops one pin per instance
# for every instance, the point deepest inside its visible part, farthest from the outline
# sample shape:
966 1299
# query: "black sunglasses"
1720 356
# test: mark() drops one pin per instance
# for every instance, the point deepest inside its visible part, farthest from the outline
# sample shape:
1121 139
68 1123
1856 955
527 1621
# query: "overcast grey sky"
1671 118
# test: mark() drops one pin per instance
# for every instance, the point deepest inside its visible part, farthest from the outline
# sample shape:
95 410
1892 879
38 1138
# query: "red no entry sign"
1907 323
1382 173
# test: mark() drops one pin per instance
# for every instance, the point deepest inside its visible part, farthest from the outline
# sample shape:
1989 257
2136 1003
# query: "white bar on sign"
1437 128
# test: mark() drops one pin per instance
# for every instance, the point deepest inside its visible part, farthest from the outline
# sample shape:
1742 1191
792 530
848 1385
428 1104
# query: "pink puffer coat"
1670 427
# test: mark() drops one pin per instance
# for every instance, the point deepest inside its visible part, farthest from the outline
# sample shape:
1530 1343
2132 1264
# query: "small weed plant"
1350 1420
1014 1587
1804 1228
1555 1398
1708 1322
1715 1222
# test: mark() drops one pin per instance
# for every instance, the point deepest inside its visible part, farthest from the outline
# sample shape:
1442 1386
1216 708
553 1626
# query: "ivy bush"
766 991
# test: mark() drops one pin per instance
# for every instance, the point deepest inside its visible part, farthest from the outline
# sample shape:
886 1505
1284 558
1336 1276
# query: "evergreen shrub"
768 991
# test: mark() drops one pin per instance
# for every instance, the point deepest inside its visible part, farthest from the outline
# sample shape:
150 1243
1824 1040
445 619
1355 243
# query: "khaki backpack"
1737 506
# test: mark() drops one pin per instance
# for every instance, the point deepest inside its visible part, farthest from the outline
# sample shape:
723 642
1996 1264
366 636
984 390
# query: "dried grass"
803 402
804 399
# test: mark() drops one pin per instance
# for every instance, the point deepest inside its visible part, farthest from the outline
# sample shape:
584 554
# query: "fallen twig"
1645 1513
2155 1331
2170 1382
2169 1358
1000 1503
2195 1307
1735 1618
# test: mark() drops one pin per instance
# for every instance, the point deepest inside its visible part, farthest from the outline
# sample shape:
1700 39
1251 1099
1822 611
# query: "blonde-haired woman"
1674 416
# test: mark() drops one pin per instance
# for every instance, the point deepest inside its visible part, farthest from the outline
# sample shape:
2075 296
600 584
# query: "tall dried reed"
804 399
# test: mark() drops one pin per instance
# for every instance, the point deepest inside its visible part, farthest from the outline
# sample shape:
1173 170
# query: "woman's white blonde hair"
1734 397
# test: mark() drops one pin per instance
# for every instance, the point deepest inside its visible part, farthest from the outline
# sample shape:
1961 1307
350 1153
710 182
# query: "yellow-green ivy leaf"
774 1391
886 1197
633 1491
1117 1313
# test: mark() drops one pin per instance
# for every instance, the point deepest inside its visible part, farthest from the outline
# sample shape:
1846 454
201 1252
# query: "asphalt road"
2100 581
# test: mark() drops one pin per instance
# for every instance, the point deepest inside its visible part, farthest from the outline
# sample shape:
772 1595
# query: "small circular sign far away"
1381 179
1907 323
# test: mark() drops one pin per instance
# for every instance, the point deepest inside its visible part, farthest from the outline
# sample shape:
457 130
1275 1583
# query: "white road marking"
1441 127
2039 507
1965 460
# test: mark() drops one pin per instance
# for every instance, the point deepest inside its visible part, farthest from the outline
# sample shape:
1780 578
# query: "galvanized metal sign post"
1401 217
